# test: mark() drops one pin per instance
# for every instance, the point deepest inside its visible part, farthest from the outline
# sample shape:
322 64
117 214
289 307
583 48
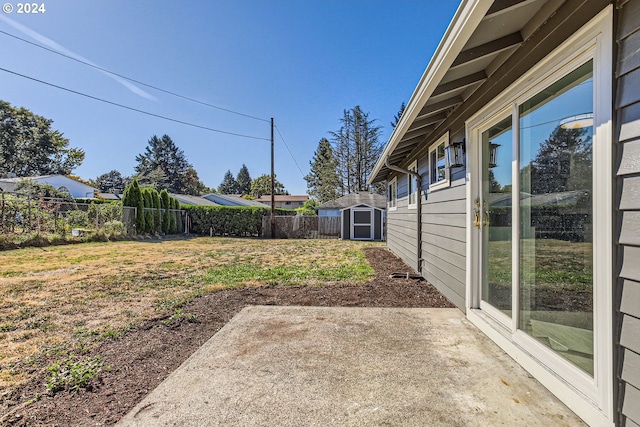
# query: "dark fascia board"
460 83
487 49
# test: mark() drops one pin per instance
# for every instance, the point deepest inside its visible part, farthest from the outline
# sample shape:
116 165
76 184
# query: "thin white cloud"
57 47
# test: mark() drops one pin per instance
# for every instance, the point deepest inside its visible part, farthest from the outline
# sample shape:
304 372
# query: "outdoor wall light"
493 154
455 154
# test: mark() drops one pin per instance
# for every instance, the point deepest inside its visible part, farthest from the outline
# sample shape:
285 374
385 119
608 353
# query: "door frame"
371 223
590 397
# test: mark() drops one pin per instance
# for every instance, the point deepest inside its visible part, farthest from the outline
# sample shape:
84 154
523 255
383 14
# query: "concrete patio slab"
309 366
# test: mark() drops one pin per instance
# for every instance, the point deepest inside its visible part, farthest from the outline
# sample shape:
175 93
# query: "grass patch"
74 297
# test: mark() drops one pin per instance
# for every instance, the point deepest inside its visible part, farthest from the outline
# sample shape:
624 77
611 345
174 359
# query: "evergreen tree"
163 158
28 145
356 148
172 214
322 180
229 185
149 220
164 199
243 179
563 162
133 197
157 211
397 117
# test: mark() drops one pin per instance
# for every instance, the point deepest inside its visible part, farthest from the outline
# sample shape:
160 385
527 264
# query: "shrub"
73 374
229 220
113 228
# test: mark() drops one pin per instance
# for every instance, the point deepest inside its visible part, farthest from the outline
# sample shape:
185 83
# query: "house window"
438 167
392 194
412 185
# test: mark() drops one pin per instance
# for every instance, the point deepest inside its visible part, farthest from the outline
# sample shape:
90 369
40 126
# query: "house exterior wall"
402 226
627 104
444 235
78 190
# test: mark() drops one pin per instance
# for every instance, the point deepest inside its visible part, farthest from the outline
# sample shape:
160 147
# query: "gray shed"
362 215
362 222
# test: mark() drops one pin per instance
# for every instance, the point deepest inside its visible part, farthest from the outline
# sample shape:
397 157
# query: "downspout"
418 208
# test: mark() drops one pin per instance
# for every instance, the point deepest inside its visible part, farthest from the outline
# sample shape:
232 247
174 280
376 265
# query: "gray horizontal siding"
627 88
630 162
629 408
630 230
630 122
630 423
444 240
630 301
630 198
631 262
402 227
631 369
627 105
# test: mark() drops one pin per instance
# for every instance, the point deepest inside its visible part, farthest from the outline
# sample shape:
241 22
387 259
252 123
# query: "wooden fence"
303 227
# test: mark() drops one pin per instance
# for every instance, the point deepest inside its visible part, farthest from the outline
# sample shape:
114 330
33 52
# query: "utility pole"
273 184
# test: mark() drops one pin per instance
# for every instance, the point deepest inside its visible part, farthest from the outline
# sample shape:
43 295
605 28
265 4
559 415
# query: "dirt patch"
137 362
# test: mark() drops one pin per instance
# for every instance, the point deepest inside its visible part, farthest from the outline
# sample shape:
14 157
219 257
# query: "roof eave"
466 19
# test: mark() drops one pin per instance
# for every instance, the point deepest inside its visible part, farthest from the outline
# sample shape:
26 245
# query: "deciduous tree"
111 182
262 185
29 147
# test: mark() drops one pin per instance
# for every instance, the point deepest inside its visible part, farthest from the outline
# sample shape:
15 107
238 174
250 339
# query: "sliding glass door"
536 238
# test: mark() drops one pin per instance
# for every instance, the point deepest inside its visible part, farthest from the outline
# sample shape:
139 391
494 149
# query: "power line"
290 153
134 109
133 80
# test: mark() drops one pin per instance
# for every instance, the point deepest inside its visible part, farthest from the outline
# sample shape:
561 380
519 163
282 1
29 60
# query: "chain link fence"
24 214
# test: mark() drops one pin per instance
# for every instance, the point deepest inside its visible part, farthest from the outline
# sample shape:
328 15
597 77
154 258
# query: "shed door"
362 224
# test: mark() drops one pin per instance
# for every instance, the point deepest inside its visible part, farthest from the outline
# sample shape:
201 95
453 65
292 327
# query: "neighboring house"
76 189
284 201
362 215
513 179
232 200
186 199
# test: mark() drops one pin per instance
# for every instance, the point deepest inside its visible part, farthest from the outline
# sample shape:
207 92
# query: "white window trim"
392 204
590 398
412 167
445 182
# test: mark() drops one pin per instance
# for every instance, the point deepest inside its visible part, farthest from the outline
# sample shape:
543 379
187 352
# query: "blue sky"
301 62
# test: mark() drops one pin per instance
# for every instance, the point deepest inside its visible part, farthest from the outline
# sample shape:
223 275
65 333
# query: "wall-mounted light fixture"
455 154
493 154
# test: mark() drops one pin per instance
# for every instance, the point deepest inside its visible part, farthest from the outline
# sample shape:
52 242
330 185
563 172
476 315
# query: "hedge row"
229 220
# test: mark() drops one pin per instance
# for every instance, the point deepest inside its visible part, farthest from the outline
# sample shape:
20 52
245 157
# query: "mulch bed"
144 357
